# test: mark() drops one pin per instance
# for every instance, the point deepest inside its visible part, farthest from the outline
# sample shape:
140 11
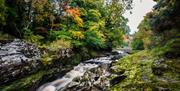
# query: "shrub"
30 37
137 44
59 35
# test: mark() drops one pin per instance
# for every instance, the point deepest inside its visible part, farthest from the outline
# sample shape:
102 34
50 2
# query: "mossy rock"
148 71
31 82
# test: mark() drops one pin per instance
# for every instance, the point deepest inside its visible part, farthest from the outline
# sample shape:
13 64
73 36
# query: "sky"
140 8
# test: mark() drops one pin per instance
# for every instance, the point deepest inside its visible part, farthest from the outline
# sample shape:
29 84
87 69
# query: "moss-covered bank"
148 70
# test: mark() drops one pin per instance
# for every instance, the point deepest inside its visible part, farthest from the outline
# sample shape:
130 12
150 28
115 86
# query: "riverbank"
148 70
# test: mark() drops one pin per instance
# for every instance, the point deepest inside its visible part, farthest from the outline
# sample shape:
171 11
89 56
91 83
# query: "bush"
30 37
59 35
137 44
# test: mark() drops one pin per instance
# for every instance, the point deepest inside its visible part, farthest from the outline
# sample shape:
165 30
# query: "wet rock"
117 79
117 57
17 59
95 79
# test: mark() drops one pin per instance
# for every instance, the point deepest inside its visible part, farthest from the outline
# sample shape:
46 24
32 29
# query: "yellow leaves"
102 23
78 35
96 25
75 14
78 20
102 36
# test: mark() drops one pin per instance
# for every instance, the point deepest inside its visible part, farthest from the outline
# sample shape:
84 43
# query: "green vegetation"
137 44
147 70
31 81
160 25
90 26
24 83
77 23
156 67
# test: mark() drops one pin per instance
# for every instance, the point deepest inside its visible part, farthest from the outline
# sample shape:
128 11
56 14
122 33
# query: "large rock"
17 59
95 79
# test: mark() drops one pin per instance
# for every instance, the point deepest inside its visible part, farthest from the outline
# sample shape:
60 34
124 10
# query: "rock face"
17 59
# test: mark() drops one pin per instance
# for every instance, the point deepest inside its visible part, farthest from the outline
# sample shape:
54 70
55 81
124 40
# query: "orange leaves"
75 14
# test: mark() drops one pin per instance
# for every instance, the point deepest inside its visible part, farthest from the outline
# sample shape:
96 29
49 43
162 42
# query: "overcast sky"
140 8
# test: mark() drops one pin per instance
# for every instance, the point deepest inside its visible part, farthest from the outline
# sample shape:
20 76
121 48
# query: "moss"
28 82
148 71
47 59
24 83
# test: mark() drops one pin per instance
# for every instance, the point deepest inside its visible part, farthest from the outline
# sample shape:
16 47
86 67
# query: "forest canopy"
91 23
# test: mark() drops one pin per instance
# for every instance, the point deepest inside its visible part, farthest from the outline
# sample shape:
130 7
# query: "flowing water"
78 71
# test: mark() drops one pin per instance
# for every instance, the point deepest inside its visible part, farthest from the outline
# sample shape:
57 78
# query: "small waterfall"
78 71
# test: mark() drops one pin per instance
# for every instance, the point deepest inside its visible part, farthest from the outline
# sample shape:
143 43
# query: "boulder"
17 59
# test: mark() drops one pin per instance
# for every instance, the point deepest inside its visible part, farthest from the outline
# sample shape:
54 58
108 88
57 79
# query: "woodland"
57 35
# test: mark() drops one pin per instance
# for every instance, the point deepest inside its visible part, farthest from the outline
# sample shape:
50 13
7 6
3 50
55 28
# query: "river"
86 76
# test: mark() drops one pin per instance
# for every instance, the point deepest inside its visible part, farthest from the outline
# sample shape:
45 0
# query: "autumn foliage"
76 16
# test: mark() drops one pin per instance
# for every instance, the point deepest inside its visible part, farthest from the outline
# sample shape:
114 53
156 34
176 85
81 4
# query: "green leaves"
87 23
94 39
94 15
59 35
